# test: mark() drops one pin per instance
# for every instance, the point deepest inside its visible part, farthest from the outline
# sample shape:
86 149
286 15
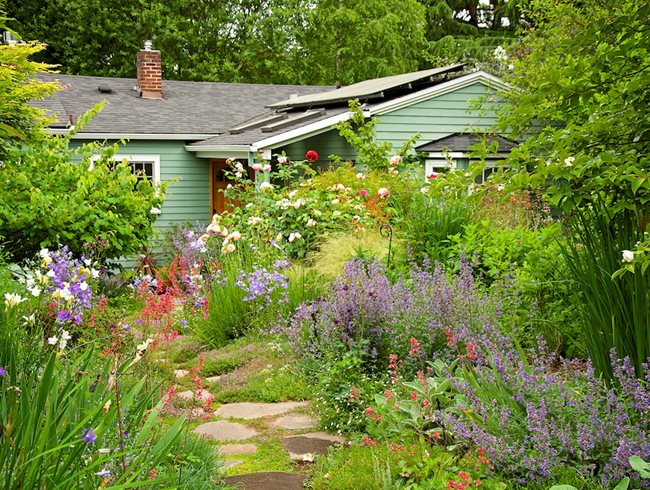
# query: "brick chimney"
149 73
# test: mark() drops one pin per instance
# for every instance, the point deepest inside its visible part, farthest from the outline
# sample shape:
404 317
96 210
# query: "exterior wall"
188 177
325 144
436 118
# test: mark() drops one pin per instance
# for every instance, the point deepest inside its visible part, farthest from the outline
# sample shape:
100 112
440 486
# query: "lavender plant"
533 418
365 310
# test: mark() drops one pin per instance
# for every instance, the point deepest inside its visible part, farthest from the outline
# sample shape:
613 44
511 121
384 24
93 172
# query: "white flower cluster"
62 341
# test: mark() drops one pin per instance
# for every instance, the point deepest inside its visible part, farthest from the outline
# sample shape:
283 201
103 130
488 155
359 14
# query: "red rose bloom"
312 156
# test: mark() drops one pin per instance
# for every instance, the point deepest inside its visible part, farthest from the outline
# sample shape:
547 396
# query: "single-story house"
185 131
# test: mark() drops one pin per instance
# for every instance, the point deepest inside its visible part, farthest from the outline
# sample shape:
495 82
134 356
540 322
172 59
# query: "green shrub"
101 211
534 261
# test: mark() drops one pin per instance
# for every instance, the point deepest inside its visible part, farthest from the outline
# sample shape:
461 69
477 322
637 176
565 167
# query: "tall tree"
459 30
351 40
272 41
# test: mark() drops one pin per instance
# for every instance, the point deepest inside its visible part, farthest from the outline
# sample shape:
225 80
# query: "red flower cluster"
415 346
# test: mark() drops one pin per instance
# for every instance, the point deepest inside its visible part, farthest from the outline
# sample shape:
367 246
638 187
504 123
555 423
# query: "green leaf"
623 484
640 466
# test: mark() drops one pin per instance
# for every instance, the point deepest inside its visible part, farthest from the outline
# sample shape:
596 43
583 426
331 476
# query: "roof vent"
148 45
104 89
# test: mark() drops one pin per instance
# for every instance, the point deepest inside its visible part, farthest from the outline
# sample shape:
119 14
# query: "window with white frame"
143 166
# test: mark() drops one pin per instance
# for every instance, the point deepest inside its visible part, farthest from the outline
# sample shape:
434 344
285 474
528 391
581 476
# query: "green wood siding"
436 118
188 177
325 144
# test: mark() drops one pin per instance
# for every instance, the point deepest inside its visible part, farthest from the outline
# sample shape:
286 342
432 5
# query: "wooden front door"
218 184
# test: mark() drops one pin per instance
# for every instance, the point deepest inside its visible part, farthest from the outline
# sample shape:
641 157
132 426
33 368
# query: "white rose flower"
628 256
311 223
155 210
266 186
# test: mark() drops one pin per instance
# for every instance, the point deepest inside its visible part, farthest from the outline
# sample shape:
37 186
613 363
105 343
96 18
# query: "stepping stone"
267 481
213 379
228 449
295 422
231 463
222 430
181 373
305 446
250 411
189 396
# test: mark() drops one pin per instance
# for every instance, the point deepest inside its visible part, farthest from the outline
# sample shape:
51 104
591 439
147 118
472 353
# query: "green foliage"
21 123
46 415
582 89
583 83
358 467
353 40
228 315
464 30
278 41
50 195
371 154
430 226
616 312
338 411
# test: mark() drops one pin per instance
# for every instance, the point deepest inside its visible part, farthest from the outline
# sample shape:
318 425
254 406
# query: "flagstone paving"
222 430
241 428
268 481
303 447
250 411
229 449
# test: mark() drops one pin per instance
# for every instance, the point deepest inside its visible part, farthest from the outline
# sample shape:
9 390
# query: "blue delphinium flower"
89 438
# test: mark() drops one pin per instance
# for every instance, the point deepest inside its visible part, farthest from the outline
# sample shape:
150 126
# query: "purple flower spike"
103 474
89 438
3 372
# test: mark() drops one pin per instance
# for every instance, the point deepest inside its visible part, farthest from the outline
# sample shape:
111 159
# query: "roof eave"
441 89
132 136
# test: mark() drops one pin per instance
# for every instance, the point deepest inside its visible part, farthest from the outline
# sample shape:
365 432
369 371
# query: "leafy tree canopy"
583 88
270 41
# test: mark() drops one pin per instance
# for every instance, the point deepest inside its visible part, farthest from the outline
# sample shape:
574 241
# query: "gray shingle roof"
250 136
462 142
187 107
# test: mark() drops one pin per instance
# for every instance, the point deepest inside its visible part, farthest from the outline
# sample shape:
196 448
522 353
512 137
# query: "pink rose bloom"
267 167
383 192
257 167
282 159
395 160
434 175
363 192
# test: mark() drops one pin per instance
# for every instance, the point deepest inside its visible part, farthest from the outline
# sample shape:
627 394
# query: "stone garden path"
238 429
236 437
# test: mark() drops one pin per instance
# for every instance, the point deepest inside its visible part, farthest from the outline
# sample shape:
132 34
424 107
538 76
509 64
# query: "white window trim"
118 157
